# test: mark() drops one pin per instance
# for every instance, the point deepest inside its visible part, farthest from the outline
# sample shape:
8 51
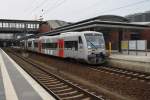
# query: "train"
85 46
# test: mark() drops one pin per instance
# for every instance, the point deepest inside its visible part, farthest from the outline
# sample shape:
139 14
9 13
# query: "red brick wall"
113 38
126 35
145 35
44 28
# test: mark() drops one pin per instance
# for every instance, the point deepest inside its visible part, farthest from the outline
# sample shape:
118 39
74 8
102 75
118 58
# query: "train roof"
46 37
68 34
78 33
31 39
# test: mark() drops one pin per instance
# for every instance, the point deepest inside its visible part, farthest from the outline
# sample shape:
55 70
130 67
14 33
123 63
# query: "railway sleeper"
87 98
68 93
63 90
74 97
49 80
60 87
54 85
53 82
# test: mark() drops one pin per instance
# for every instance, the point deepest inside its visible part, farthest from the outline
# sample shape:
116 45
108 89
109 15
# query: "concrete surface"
132 62
16 84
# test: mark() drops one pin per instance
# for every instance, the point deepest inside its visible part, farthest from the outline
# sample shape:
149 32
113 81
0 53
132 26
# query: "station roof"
113 18
141 23
102 22
57 23
15 20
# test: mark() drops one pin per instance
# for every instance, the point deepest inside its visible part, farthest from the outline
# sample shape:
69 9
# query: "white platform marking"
40 90
10 92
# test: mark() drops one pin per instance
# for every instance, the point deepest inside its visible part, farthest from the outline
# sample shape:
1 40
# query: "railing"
7 26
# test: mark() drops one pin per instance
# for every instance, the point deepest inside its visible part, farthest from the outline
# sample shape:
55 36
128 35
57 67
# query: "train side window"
80 40
70 45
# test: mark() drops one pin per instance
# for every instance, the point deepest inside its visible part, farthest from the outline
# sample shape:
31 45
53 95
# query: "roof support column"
120 37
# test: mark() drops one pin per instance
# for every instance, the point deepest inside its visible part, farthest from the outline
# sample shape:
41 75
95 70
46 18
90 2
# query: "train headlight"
102 46
89 52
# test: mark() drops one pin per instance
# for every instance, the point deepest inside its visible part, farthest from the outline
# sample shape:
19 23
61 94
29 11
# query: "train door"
40 46
61 48
80 47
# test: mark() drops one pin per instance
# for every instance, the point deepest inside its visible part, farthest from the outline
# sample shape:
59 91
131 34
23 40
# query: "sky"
69 10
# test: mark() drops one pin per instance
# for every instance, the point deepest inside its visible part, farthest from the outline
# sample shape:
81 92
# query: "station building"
111 26
143 19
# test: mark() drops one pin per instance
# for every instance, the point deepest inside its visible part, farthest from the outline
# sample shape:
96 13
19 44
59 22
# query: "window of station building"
135 36
28 26
17 25
12 25
147 17
5 24
37 25
31 25
71 45
0 24
22 25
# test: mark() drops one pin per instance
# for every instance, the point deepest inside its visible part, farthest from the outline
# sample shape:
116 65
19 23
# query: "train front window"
94 41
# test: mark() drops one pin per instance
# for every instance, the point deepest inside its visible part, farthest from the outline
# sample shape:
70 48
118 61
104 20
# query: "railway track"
61 89
122 72
125 72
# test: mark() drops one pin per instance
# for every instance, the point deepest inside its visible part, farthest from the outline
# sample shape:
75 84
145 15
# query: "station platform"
136 58
16 84
139 63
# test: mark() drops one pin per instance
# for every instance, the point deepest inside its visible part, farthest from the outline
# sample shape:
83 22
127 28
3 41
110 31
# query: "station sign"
132 45
124 45
141 44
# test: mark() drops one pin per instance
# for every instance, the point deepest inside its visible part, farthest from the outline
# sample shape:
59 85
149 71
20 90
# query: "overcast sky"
69 10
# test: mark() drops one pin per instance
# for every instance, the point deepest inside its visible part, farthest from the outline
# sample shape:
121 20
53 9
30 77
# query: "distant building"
139 17
111 34
57 23
51 25
44 27
143 19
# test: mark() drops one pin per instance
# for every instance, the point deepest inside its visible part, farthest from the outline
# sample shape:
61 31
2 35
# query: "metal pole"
146 47
120 39
110 48
136 48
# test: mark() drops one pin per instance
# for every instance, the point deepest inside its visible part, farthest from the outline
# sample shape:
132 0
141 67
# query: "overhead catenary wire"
37 7
129 5
54 7
59 3
29 5
40 7
121 7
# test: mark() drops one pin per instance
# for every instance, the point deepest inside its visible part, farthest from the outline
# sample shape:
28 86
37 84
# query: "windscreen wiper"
92 44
